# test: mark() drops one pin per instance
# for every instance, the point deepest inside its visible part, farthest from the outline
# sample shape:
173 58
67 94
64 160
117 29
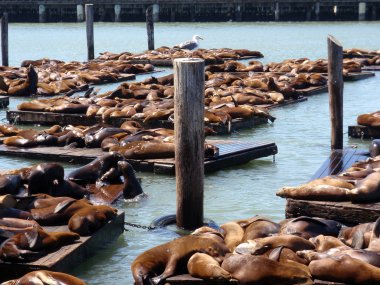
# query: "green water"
301 131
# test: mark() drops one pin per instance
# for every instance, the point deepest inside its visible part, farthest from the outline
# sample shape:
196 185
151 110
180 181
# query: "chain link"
139 226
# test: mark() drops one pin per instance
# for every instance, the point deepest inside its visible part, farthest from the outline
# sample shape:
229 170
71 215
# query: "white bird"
190 45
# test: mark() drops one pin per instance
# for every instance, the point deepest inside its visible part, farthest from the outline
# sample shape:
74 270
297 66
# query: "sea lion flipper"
276 253
357 240
32 237
63 205
376 230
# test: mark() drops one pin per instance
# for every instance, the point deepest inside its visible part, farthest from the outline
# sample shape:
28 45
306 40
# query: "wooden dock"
4 101
371 68
363 132
231 153
67 257
344 212
355 76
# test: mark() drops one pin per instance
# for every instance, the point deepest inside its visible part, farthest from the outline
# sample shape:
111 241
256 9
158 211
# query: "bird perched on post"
190 45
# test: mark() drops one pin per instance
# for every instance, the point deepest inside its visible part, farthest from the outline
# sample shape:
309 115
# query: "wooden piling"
90 30
4 40
335 84
150 27
189 140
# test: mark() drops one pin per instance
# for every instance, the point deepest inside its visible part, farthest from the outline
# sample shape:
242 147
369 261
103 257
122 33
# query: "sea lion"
367 189
233 234
146 149
358 236
43 177
345 270
204 266
163 260
323 243
322 189
258 227
248 269
262 245
10 184
46 277
132 186
103 168
33 243
307 227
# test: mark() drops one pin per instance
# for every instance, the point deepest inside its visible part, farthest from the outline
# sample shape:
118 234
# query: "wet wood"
4 40
4 101
189 85
335 83
150 27
90 31
68 257
355 76
371 68
364 132
231 153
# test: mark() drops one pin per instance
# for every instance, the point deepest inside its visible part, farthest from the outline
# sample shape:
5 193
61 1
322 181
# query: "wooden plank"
312 90
371 68
355 76
4 101
363 132
67 257
231 153
188 279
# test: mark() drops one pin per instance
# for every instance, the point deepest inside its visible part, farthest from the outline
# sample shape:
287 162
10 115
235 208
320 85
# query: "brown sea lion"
10 184
323 243
367 189
262 245
307 227
43 277
19 141
146 149
132 186
358 236
33 243
163 260
323 189
258 227
204 266
233 234
43 177
260 270
345 270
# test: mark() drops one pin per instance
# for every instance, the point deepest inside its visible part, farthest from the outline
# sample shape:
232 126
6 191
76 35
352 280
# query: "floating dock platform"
4 101
344 212
69 256
371 68
231 153
363 132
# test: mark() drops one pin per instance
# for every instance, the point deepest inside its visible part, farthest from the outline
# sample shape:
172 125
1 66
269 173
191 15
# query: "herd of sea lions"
359 184
260 251
48 77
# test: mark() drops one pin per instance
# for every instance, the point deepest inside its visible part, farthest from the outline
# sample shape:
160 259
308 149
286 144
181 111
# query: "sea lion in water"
204 266
167 256
104 168
132 186
43 277
260 270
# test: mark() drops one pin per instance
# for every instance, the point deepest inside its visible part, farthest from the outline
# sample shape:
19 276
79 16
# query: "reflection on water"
302 131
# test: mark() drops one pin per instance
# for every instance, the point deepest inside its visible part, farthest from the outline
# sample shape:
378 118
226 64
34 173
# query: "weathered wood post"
4 40
150 27
335 84
189 140
90 30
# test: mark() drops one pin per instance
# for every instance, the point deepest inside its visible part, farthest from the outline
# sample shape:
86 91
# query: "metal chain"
139 226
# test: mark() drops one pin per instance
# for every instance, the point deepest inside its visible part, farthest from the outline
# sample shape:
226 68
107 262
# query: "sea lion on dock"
367 189
322 189
45 277
10 184
345 270
323 243
204 266
358 236
258 227
163 260
33 243
43 177
307 227
262 245
248 269
233 234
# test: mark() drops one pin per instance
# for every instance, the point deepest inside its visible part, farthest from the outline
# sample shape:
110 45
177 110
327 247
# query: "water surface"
301 131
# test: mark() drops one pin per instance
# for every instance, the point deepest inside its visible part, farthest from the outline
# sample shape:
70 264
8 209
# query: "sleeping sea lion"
43 277
164 260
204 266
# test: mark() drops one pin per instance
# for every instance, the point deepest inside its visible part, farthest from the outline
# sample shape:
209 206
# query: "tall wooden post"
189 140
4 40
335 84
90 30
150 27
